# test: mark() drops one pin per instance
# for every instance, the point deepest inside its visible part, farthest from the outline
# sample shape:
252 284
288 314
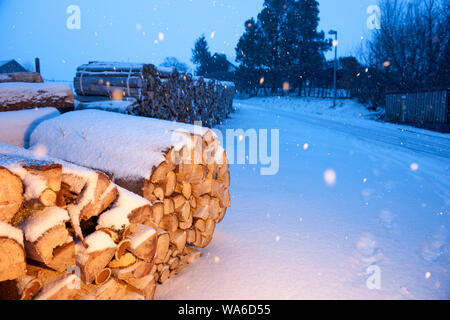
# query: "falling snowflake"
330 177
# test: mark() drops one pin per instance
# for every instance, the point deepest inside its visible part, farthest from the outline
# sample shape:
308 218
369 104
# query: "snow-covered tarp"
16 126
130 147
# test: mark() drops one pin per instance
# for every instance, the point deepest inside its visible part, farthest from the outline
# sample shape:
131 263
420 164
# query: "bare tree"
412 42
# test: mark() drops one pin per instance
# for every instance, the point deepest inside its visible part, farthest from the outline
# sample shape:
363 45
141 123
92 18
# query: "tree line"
282 50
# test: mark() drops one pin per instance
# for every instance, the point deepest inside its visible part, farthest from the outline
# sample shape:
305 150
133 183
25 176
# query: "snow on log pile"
57 218
180 168
162 93
22 95
32 77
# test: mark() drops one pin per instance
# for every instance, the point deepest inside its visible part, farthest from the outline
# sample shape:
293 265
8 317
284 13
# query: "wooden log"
96 197
89 82
145 286
178 239
124 261
103 276
12 253
64 288
96 257
164 274
137 270
45 231
169 222
63 256
23 288
111 290
143 242
11 190
128 208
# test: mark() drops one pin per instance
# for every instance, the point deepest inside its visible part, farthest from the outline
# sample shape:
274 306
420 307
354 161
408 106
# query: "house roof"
3 62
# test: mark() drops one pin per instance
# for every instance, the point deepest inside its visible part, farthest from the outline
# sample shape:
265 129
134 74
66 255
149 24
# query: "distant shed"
10 66
424 108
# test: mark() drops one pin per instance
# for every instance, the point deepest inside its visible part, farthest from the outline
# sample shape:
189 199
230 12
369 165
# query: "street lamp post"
335 44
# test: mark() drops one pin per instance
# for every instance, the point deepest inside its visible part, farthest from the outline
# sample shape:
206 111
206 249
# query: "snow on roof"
128 146
3 62
42 221
8 231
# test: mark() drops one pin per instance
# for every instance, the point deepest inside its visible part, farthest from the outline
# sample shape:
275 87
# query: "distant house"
9 66
231 67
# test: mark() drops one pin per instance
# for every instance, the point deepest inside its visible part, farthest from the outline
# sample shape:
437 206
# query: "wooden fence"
428 108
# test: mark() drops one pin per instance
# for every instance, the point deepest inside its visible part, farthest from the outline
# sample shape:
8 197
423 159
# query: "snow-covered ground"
295 236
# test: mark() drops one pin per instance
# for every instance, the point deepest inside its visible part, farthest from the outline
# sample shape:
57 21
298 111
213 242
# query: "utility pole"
335 44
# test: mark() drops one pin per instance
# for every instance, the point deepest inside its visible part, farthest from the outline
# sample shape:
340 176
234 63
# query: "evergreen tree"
201 56
284 42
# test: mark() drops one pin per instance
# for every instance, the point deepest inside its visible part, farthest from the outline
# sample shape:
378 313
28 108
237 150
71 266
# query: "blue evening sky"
146 30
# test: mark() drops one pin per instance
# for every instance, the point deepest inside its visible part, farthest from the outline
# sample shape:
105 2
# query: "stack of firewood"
181 169
67 232
162 93
32 77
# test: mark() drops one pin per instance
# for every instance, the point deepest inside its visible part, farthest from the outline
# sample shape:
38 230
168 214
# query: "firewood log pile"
32 77
162 93
67 232
180 168
31 95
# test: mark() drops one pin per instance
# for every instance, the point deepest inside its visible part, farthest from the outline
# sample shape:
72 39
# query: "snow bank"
345 108
8 231
17 126
132 146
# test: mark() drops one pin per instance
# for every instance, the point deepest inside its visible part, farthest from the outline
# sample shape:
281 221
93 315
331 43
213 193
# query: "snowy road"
292 236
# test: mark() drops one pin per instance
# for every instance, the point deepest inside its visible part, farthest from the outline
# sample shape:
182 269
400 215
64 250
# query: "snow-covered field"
303 234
